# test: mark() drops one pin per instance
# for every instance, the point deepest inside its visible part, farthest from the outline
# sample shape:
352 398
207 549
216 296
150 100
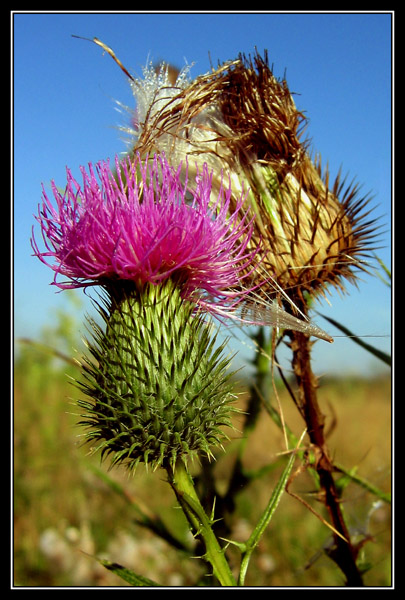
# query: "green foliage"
252 542
127 575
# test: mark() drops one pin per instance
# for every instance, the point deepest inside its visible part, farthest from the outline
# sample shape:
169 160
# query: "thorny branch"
344 553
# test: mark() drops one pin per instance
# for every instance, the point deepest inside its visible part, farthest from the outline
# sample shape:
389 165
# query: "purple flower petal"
146 225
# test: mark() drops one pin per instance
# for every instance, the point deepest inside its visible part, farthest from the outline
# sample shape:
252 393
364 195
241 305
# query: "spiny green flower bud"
159 386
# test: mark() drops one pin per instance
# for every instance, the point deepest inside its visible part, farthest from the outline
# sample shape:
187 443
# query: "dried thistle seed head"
260 111
181 120
313 237
241 119
159 388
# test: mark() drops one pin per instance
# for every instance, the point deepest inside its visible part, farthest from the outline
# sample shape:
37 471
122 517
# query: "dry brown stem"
344 552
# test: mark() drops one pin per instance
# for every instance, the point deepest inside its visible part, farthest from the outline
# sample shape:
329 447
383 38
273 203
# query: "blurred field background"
69 509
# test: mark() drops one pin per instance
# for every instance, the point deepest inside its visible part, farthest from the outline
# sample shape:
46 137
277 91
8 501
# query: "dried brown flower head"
242 120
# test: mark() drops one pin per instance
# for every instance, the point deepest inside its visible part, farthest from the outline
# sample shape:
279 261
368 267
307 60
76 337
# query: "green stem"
183 487
261 526
386 497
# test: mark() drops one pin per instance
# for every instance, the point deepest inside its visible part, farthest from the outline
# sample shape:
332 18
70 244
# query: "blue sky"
64 114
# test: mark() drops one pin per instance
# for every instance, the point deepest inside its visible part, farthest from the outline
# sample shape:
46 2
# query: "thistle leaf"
127 575
386 358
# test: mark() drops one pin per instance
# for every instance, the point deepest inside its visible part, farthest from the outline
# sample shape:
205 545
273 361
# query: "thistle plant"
314 236
165 256
159 388
217 211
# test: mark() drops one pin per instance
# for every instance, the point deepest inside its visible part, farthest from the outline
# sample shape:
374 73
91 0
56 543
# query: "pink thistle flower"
146 225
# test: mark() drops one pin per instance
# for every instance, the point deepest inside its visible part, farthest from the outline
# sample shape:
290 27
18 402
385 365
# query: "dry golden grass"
64 511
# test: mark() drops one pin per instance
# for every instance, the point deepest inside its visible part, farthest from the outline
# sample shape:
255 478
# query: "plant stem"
344 553
183 487
264 520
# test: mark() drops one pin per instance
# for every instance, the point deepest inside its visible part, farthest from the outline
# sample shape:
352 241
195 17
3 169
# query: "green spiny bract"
160 388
